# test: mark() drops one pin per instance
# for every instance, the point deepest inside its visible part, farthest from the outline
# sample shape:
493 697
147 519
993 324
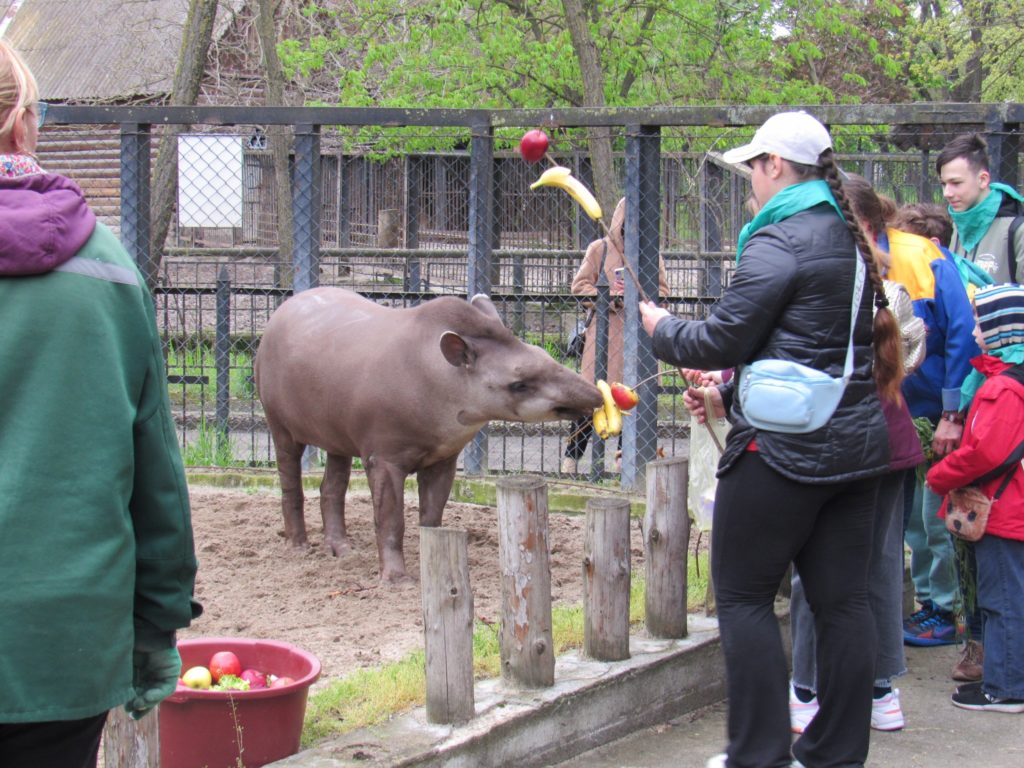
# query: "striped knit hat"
1000 311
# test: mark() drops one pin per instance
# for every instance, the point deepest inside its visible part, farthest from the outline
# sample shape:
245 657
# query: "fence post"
600 322
135 197
1003 148
525 641
606 572
666 539
643 230
131 743
306 207
447 624
481 253
222 361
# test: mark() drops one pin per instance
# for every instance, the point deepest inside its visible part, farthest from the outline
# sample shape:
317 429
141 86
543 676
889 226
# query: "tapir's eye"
518 387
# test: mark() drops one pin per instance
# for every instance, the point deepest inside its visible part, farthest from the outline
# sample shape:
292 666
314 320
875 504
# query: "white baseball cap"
793 136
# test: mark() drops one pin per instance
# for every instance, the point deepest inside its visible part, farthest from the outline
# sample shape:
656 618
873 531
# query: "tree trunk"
280 139
188 76
606 187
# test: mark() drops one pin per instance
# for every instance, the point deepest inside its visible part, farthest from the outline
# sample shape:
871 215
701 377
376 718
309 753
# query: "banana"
611 409
601 423
560 176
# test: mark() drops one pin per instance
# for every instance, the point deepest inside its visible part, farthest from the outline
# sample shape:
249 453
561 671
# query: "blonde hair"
18 89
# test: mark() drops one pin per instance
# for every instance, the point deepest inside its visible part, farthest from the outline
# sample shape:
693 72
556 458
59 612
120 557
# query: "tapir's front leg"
332 503
387 486
435 483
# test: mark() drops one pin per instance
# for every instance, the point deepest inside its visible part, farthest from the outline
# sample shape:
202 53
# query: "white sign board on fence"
210 181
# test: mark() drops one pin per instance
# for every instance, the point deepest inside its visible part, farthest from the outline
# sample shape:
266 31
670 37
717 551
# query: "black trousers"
763 522
54 744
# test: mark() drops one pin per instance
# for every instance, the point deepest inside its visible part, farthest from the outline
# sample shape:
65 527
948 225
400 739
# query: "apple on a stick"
533 145
624 397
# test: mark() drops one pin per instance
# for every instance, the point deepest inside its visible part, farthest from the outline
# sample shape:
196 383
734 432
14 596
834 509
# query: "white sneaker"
718 761
886 714
801 713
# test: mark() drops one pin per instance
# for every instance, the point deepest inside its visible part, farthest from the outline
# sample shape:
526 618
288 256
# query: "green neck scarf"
1013 354
786 203
972 224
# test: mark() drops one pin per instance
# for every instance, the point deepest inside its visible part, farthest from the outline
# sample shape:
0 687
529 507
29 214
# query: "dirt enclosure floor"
253 584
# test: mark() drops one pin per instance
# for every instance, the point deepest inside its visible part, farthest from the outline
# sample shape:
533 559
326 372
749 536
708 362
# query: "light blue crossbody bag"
783 396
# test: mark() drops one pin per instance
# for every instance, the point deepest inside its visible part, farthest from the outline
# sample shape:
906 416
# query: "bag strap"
1011 251
858 291
1009 466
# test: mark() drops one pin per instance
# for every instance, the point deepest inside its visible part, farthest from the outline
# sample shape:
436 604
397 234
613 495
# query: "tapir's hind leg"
289 470
387 486
435 483
332 503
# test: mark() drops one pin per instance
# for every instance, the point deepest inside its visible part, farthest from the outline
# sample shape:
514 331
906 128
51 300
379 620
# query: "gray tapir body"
404 390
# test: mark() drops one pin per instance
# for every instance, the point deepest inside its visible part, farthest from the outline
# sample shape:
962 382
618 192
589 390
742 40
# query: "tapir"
404 390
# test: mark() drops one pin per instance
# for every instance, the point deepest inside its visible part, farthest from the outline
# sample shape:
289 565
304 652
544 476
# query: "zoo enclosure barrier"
403 205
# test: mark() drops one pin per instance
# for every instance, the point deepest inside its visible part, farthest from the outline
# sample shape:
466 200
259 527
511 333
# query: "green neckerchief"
786 203
1013 354
972 224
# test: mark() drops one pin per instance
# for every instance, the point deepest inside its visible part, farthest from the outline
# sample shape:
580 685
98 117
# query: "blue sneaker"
937 629
924 612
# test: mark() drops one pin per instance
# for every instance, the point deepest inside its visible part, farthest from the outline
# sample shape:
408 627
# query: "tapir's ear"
456 350
483 302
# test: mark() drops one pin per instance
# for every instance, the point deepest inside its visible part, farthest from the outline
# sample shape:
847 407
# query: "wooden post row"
525 639
666 539
447 624
606 572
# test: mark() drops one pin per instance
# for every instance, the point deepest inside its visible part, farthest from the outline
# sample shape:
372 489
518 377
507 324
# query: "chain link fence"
404 214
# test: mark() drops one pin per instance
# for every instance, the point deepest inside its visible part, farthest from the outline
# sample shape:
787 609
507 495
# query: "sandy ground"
253 584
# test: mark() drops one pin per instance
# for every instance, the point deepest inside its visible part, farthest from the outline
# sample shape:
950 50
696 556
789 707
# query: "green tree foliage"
515 53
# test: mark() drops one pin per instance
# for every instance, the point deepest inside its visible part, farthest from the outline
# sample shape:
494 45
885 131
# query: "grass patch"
209 448
374 695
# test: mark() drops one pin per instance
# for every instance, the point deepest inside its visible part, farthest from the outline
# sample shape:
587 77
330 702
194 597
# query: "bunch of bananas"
608 417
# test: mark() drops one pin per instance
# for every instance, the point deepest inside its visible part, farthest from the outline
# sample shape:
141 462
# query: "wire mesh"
387 213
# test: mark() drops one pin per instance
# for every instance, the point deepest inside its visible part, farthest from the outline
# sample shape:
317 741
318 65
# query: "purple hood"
44 221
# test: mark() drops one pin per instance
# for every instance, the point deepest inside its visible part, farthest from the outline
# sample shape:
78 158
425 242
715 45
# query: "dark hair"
888 367
929 220
867 205
970 146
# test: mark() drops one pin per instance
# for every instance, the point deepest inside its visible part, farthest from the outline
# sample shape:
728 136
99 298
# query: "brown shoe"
969 667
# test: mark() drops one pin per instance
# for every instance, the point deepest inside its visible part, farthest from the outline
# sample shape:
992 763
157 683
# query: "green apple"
198 678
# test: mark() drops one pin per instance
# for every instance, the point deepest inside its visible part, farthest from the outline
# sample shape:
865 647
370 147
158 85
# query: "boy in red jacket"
994 428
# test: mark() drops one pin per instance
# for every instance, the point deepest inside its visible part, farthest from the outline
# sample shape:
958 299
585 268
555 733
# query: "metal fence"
405 205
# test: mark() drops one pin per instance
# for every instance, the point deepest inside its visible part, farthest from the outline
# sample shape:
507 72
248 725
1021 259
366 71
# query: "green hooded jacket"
96 550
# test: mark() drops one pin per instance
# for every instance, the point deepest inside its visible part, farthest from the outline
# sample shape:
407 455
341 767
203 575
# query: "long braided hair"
888 367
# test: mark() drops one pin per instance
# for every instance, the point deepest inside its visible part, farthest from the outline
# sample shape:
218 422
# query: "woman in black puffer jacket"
803 498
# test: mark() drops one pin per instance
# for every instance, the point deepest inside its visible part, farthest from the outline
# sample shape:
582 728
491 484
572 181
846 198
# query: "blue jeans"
763 522
1001 597
931 551
885 593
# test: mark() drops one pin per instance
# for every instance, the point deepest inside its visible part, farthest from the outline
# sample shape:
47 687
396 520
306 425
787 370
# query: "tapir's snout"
583 403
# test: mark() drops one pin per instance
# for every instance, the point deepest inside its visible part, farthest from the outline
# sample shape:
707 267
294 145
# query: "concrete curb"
592 703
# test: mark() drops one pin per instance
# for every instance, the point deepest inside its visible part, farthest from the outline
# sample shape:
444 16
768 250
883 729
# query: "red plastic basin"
214 729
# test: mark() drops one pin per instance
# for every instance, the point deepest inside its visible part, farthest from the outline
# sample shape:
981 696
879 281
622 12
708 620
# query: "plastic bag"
704 455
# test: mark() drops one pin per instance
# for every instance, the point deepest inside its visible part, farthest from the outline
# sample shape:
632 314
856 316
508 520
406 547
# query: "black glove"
155 676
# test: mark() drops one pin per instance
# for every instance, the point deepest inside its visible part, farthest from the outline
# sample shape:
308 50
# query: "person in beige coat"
612 249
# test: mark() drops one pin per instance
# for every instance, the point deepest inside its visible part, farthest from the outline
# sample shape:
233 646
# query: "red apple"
279 682
533 145
255 678
224 663
624 396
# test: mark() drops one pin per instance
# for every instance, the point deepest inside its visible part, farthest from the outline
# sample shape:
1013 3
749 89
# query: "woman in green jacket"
96 555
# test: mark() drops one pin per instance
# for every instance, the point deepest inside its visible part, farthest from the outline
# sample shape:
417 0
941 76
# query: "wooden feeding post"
526 645
447 624
131 743
666 539
606 571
